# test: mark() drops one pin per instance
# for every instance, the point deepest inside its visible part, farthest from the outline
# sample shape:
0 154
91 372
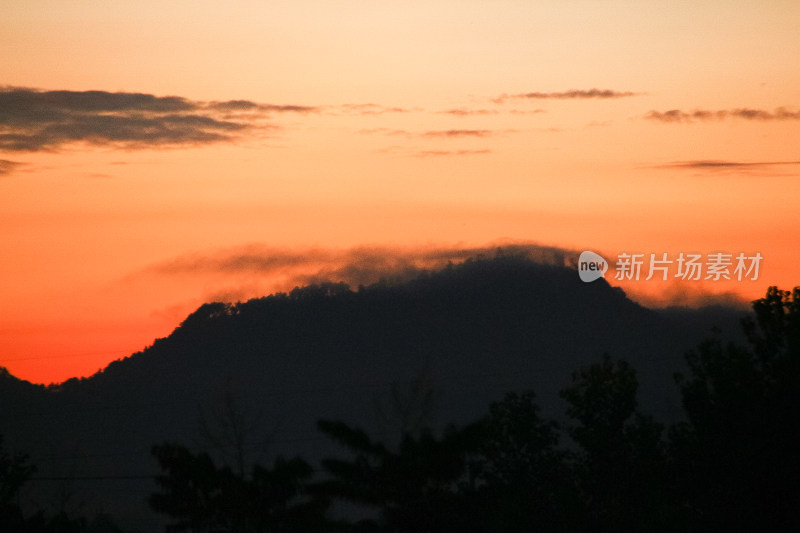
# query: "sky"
158 155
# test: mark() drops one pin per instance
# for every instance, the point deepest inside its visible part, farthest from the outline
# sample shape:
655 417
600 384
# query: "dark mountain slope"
468 334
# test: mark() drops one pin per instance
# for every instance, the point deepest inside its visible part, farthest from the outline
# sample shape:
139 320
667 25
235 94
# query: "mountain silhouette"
248 381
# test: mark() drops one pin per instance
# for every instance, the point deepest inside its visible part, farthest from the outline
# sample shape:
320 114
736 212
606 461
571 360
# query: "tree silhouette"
409 407
621 464
228 425
204 498
732 464
423 487
526 483
739 452
15 470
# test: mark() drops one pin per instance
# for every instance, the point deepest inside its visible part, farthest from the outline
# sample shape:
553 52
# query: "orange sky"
319 134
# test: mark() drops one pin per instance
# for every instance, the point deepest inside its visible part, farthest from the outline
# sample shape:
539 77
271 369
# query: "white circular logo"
591 266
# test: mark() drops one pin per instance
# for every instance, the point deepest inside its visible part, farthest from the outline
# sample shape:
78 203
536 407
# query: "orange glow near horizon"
312 130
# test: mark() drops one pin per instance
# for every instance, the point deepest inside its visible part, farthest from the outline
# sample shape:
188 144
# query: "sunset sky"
157 155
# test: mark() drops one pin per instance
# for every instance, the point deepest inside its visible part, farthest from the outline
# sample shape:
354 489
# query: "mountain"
250 380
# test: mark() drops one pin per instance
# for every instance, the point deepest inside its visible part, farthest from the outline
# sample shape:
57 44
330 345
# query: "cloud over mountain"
356 266
250 271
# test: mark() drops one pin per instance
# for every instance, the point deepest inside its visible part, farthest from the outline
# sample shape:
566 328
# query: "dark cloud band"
717 164
739 168
679 116
34 120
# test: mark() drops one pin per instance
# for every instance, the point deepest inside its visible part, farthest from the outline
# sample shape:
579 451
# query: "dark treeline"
619 444
732 463
15 470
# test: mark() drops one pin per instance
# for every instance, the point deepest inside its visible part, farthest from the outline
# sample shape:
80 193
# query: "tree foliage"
202 497
420 487
739 452
733 463
14 473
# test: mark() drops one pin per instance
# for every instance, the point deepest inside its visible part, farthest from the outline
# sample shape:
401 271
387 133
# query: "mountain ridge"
467 334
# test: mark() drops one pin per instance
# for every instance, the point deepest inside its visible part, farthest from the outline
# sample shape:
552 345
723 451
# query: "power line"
91 478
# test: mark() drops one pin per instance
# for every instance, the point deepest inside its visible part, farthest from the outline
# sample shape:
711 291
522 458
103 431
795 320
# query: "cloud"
385 131
247 105
428 153
573 94
676 115
7 167
245 259
444 134
680 116
717 164
35 120
256 270
780 113
404 151
677 295
463 112
527 111
355 266
371 109
457 133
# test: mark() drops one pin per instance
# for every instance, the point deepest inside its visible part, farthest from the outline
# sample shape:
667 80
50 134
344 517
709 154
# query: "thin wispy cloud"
744 113
457 133
370 109
527 111
34 120
7 167
256 270
715 166
247 105
572 94
683 296
432 134
451 133
385 131
356 266
712 164
238 274
464 112
437 153
406 151
244 259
